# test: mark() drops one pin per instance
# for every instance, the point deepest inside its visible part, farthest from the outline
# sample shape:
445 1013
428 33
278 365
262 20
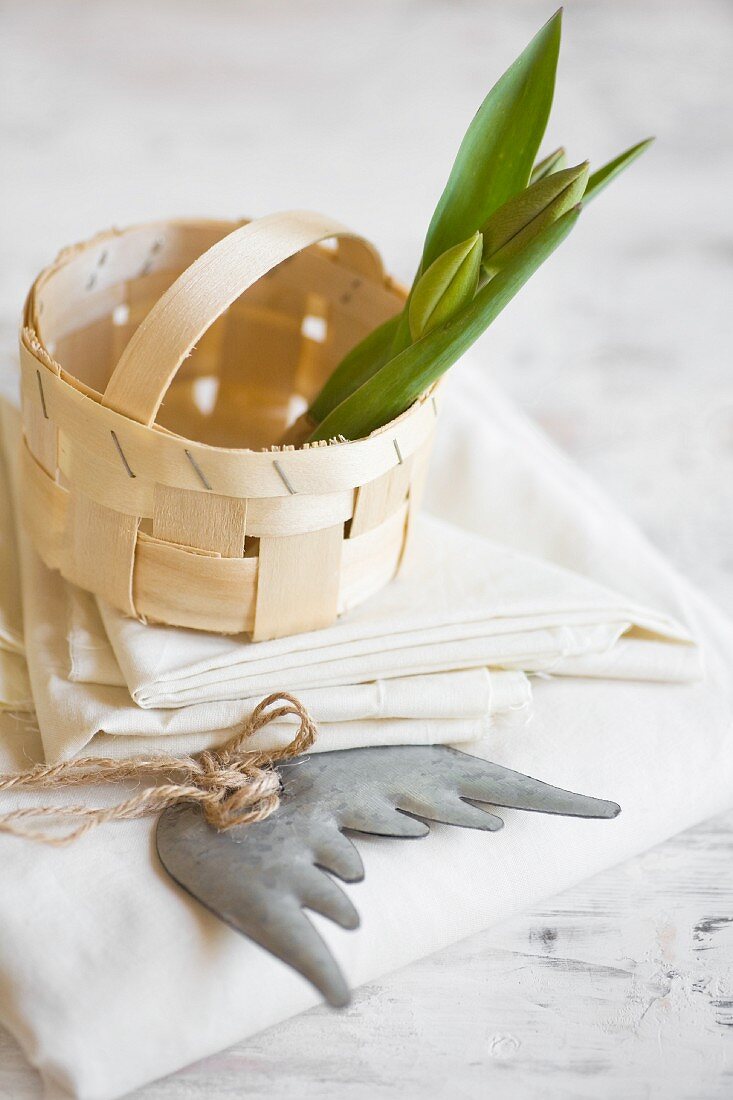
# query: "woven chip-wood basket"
159 366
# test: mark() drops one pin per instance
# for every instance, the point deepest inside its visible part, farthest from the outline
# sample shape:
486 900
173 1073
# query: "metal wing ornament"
260 877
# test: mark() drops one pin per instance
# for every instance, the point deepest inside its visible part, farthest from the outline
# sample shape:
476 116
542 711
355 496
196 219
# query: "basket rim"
30 340
34 344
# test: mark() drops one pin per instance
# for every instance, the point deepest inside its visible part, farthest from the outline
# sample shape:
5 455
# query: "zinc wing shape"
259 878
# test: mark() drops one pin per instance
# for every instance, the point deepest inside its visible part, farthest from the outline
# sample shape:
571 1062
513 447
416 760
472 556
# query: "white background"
621 348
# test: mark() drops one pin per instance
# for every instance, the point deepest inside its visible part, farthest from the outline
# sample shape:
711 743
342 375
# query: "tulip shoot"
500 215
403 379
554 162
521 218
449 284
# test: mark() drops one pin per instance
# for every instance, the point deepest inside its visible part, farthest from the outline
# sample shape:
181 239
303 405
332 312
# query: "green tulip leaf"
357 365
498 218
508 230
603 176
403 379
549 164
496 155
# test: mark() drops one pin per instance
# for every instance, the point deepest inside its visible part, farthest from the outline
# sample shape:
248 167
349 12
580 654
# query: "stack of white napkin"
402 668
621 709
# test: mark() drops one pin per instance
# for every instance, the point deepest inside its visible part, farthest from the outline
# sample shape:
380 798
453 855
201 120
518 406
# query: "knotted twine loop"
233 786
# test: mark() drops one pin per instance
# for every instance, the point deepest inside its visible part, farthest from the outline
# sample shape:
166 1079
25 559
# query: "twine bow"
233 786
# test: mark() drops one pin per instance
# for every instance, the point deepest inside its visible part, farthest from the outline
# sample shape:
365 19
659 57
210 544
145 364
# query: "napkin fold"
466 603
102 719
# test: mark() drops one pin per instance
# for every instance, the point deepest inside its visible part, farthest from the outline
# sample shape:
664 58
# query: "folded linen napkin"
488 606
164 982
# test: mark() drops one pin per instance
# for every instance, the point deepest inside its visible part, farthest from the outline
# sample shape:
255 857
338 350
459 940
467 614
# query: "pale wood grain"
41 434
224 586
99 551
380 498
298 581
200 519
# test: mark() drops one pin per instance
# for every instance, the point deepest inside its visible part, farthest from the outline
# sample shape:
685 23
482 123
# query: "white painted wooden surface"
116 111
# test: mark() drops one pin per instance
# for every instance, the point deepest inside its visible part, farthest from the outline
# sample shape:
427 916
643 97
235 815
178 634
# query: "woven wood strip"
43 505
176 585
41 435
100 550
378 499
298 583
278 516
202 520
371 560
420 467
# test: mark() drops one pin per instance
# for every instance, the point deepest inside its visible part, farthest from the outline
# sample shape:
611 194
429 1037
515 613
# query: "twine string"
233 785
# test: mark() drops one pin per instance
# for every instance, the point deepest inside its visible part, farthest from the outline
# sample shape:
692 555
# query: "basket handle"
199 296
